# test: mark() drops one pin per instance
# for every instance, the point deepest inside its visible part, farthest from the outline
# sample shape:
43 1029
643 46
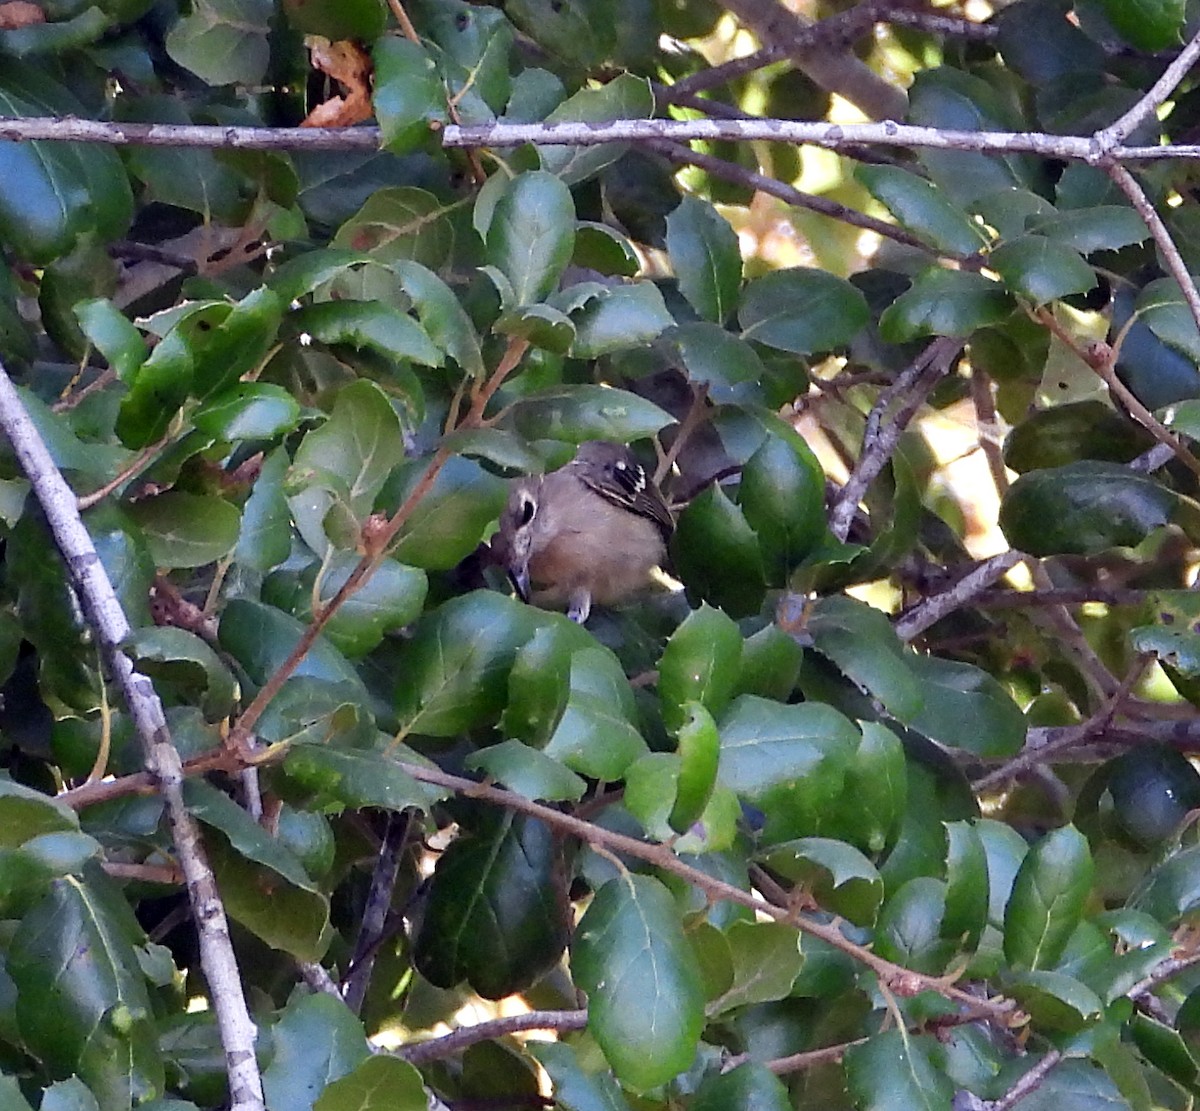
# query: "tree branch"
106 617
967 589
438 1049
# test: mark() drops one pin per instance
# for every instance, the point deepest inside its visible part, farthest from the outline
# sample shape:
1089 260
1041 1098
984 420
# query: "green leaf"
223 42
1088 507
395 223
408 94
265 537
543 325
10 1093
161 386
782 495
749 1087
909 931
539 683
368 324
894 1071
1047 900
579 413
965 707
966 885
113 335
530 236
1171 891
701 662
766 960
248 411
645 1000
441 315
261 638
1041 269
575 1089
920 208
186 530
944 303
717 555
390 599
1147 24
185 662
263 885
838 875
359 444
789 761
706 258
597 735
618 318
528 772
380 1083
859 640
453 671
82 1004
598 247
1162 308
1106 227
625 98
316 1040
801 310
715 356
1163 1047
1068 433
1054 1000
355 779
492 916
699 752
55 193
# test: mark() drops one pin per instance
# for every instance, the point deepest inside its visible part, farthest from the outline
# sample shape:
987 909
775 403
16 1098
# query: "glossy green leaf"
578 413
699 750
316 1040
1071 432
597 735
701 662
944 303
1147 24
263 885
187 530
528 772
265 537
355 778
493 917
55 193
834 311
395 223
1163 1047
967 886
1170 891
223 42
1162 307
895 1071
645 1000
716 554
1047 899
530 236
840 877
1088 507
619 318
965 707
860 642
782 495
574 1088
599 247
82 1002
706 258
1055 1000
922 209
441 315
1103 228
909 931
371 325
716 356
749 1087
184 662
260 638
452 675
540 682
377 1078
248 411
337 19
1040 269
407 93
113 335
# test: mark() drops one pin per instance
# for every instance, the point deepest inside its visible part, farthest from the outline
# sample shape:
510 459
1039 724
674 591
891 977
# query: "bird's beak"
520 579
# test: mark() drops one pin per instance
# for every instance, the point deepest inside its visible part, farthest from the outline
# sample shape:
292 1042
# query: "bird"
593 531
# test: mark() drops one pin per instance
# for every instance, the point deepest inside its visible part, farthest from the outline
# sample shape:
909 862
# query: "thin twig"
1029 1082
1154 98
106 617
662 856
913 385
131 470
438 1049
932 609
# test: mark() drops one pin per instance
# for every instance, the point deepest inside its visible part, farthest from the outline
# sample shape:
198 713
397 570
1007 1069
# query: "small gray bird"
592 531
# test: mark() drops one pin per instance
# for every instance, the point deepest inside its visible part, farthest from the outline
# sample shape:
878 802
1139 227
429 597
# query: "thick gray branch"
106 617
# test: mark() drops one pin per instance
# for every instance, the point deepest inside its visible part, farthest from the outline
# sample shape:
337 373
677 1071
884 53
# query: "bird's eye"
528 509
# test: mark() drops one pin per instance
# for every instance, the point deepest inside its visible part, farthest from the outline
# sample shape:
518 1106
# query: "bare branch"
106 617
438 1049
933 609
1156 96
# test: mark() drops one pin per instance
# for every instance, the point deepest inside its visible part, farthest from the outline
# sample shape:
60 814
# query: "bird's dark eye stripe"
528 509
